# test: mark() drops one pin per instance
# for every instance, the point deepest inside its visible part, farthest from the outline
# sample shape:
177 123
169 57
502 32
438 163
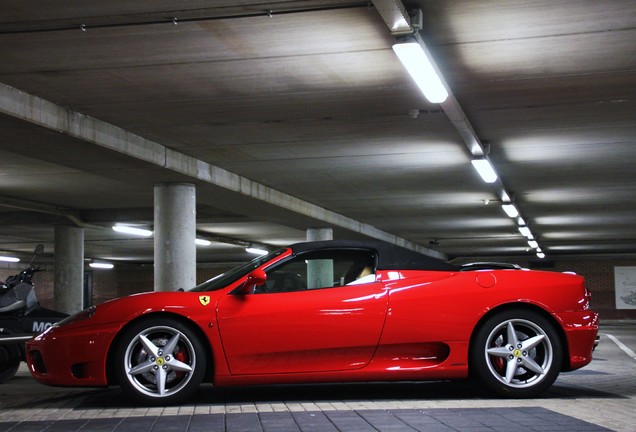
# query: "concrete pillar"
69 269
175 233
317 234
319 272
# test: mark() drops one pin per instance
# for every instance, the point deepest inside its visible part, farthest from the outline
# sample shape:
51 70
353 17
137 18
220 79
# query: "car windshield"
225 279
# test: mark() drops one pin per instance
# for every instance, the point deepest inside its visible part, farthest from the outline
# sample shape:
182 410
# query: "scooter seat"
20 304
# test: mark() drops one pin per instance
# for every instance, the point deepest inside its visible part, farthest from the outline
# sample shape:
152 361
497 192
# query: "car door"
311 315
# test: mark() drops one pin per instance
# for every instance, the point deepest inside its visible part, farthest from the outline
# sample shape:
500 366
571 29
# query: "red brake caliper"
180 355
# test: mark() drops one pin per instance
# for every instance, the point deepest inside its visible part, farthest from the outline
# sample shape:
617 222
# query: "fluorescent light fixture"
132 230
9 258
510 210
256 251
202 242
520 221
533 244
525 231
540 255
485 170
418 65
505 197
101 265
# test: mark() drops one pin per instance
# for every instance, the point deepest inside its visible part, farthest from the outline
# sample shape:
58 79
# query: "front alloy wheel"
517 354
160 361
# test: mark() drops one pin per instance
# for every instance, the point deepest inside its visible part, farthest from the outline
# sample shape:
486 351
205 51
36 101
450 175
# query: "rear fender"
530 307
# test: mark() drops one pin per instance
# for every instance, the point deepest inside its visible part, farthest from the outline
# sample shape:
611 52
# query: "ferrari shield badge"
204 300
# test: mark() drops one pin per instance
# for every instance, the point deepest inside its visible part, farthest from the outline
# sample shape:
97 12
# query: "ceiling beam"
38 111
31 206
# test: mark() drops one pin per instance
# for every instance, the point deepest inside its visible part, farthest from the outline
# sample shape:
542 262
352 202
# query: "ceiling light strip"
126 229
256 250
393 10
6 258
485 169
101 265
417 61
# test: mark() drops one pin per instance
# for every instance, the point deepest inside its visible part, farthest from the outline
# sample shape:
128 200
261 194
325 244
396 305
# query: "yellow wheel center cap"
517 353
160 361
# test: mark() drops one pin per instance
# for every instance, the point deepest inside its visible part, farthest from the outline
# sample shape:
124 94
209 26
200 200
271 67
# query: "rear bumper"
596 342
581 337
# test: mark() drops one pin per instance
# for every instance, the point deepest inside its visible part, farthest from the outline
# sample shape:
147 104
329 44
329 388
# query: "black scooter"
21 317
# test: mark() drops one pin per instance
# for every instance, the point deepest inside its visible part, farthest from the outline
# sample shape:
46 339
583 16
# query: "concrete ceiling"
301 119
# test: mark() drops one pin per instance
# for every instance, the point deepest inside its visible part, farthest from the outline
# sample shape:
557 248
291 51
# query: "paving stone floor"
434 420
600 397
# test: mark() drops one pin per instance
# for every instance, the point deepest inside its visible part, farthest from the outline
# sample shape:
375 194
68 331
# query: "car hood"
180 302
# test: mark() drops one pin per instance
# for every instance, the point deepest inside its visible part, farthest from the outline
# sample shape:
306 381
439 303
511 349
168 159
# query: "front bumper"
72 356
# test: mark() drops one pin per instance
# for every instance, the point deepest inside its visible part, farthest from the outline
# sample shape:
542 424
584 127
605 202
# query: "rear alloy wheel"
160 361
517 354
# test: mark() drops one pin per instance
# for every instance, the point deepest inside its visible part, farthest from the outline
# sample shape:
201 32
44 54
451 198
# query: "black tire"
10 358
516 354
159 361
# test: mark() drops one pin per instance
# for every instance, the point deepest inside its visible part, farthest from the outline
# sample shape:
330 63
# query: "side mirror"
255 278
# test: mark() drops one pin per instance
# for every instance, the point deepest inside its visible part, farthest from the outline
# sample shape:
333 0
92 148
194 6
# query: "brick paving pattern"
430 420
599 397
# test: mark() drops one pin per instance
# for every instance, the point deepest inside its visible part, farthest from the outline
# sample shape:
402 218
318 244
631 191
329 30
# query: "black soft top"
390 257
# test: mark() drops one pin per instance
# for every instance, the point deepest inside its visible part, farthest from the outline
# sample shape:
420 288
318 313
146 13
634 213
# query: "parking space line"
622 346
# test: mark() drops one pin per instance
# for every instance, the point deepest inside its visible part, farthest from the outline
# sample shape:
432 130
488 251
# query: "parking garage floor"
599 397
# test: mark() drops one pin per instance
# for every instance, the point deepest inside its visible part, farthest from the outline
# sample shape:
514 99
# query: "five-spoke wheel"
160 361
516 353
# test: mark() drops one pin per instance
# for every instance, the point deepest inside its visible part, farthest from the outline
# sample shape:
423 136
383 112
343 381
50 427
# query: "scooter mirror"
38 251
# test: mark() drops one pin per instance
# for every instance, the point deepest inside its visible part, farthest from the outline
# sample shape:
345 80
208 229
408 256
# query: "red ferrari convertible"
330 311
